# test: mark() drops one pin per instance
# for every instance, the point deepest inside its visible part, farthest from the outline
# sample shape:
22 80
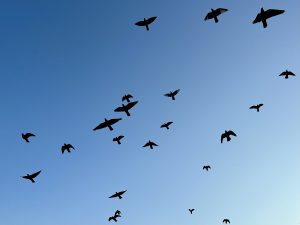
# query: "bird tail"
127 113
264 21
147 27
216 19
173 97
167 127
228 138
110 128
118 142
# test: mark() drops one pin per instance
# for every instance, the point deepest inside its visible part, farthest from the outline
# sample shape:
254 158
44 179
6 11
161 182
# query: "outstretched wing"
230 132
257 18
260 105
291 73
221 10
70 146
152 143
272 12
168 94
30 135
253 107
113 121
222 137
140 23
147 144
176 92
100 126
151 19
208 16
169 123
131 104
119 109
35 174
114 195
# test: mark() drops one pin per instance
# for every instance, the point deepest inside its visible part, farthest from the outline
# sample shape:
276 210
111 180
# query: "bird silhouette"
172 94
214 14
26 136
206 167
32 176
191 210
67 147
226 135
256 107
264 15
226 221
146 22
126 108
118 139
150 144
118 195
127 98
107 123
166 125
115 216
287 73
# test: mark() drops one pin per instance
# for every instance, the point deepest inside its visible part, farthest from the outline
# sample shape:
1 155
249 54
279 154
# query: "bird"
214 14
256 107
26 136
125 108
66 147
191 210
264 15
118 139
119 195
146 22
287 73
127 98
226 135
115 216
150 144
107 123
206 167
117 212
32 176
172 94
226 221
166 125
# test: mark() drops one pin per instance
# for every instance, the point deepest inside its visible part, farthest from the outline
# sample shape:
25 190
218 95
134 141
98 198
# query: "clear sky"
64 66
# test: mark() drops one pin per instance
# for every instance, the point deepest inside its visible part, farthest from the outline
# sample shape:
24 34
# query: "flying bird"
172 94
67 147
107 123
126 108
26 136
214 14
256 107
127 98
287 73
264 15
146 22
118 195
206 167
226 135
226 221
150 144
114 217
166 125
191 210
32 176
118 139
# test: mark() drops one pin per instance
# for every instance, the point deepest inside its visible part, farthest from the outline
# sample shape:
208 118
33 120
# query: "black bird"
264 15
127 98
206 167
114 218
125 108
119 195
67 147
256 107
26 136
118 139
287 73
214 14
172 94
32 176
150 144
226 221
107 123
166 125
227 134
146 22
191 210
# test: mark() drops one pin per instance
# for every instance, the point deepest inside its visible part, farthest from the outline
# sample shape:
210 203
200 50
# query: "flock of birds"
262 17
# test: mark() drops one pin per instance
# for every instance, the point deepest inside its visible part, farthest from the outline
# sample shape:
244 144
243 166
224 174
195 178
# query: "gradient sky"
65 66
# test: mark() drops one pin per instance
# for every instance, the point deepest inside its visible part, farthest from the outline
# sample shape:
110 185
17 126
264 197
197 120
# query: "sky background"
64 66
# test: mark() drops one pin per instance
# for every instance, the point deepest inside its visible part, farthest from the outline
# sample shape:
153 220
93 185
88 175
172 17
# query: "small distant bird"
118 139
264 15
107 123
226 135
191 210
118 195
146 22
114 217
172 94
166 125
287 73
214 14
32 176
125 108
150 144
256 107
206 167
67 147
26 136
127 98
226 221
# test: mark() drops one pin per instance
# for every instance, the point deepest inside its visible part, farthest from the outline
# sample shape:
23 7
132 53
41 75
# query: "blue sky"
65 66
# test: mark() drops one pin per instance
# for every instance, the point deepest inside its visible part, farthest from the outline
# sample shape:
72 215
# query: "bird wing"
169 123
222 137
122 192
260 105
120 137
119 109
257 18
131 104
273 12
147 144
168 94
208 16
221 10
35 174
253 107
70 146
163 125
176 92
151 19
30 135
100 126
113 121
230 132
203 167
153 143
291 73
140 23
114 195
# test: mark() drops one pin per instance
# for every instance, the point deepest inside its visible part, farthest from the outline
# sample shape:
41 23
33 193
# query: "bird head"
262 10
